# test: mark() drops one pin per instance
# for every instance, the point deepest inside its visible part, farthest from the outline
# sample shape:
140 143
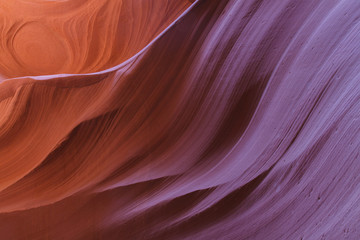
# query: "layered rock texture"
177 119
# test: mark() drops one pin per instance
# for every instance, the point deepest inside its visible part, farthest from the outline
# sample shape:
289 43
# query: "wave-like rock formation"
78 36
162 119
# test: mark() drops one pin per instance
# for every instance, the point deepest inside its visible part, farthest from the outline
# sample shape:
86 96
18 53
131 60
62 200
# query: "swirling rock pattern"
221 119
42 37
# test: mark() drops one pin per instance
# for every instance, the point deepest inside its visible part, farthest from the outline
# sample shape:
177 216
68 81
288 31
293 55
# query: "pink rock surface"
217 119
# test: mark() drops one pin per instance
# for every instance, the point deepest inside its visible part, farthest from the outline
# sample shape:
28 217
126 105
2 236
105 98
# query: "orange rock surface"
41 37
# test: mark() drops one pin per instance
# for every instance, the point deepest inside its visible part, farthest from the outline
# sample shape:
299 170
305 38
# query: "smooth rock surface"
159 119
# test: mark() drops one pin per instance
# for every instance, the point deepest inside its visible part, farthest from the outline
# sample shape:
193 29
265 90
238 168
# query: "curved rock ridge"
41 37
239 121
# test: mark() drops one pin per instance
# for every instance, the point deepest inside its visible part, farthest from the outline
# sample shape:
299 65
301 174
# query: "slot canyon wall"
177 119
